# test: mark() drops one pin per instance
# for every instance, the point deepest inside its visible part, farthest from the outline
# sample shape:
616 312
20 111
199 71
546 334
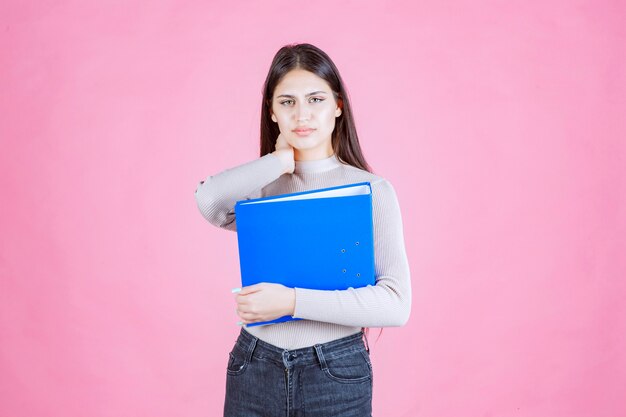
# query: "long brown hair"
345 141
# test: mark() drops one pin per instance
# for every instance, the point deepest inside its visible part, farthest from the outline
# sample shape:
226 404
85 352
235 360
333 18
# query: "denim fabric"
330 379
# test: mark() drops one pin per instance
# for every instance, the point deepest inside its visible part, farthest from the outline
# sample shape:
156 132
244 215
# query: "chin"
302 144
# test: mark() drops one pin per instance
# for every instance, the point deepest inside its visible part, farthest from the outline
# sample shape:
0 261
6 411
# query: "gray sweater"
328 315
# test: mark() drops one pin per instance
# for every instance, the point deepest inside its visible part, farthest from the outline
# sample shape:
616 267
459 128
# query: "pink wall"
501 127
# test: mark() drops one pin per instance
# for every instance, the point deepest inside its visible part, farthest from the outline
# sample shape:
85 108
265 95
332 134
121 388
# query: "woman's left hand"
264 302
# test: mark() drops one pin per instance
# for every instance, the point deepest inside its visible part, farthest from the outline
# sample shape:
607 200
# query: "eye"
317 98
286 101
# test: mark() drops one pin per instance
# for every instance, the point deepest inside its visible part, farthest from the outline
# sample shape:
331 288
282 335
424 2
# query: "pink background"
500 124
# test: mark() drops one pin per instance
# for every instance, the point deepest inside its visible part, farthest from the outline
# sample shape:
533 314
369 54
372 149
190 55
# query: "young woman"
318 366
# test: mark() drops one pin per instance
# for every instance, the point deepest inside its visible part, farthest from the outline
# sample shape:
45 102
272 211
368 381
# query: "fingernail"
235 290
240 323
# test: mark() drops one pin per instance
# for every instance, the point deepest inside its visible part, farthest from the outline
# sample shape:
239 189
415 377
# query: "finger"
244 307
242 300
250 289
248 317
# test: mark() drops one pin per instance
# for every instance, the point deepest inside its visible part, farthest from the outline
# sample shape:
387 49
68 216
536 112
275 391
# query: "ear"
337 112
269 107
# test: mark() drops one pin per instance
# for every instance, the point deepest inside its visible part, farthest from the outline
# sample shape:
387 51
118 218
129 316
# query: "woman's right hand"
284 151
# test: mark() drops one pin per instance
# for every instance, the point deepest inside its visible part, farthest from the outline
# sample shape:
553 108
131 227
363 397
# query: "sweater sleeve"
217 194
388 302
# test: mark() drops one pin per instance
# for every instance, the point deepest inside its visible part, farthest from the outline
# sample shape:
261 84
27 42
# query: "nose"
302 112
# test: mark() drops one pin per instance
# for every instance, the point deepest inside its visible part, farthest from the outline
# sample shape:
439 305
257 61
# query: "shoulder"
382 189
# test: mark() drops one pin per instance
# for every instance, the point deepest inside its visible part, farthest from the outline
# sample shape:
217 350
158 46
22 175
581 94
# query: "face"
302 100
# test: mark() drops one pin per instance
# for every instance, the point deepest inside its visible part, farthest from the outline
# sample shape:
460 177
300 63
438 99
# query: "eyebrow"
310 94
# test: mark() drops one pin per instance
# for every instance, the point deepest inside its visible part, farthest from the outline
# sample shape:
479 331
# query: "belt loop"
367 346
320 356
251 347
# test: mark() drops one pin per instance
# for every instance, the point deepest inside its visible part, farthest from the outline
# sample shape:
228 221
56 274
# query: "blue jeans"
330 379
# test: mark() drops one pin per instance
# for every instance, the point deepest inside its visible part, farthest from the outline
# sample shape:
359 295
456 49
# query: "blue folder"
319 239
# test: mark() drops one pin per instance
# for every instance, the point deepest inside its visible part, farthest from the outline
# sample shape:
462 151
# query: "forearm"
217 194
381 305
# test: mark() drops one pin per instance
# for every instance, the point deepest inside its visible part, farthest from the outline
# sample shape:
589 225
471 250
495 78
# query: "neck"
317 165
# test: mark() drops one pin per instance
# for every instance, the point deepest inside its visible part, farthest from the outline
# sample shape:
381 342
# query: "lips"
303 132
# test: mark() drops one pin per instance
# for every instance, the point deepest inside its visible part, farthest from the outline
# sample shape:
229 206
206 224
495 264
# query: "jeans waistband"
302 356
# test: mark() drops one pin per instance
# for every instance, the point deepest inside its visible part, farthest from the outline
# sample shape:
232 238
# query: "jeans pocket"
237 361
351 368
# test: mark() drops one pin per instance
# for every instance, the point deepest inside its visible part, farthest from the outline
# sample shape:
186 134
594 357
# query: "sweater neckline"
318 165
